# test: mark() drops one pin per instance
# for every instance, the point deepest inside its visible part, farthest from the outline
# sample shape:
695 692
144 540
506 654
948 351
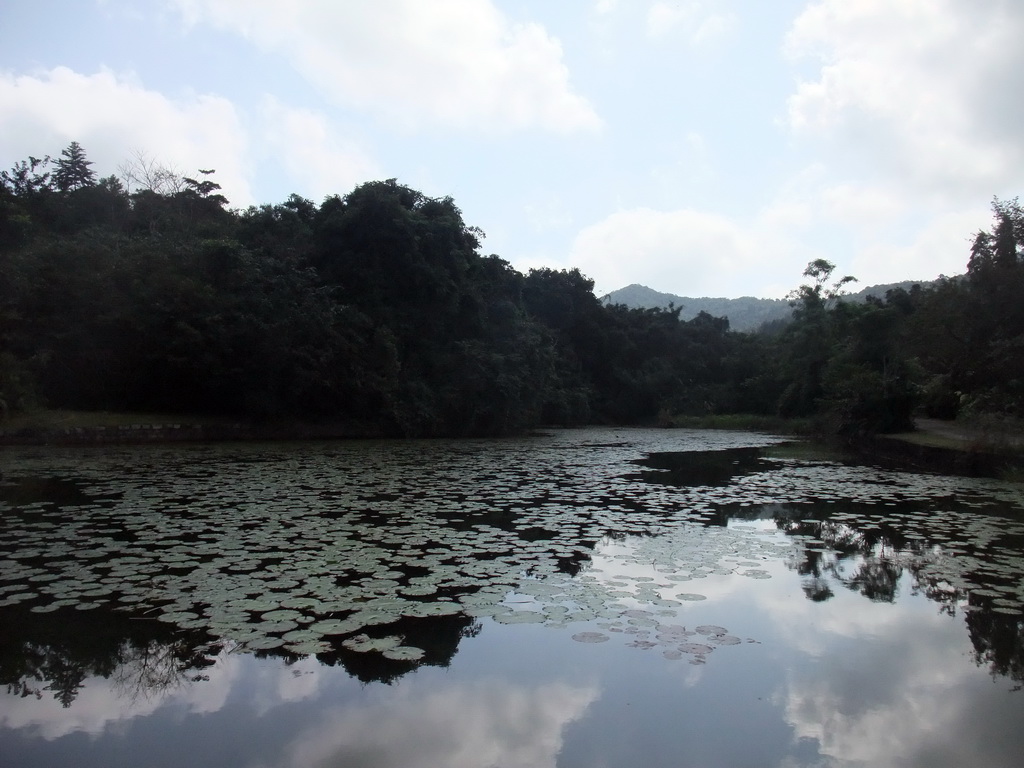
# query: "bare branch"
146 173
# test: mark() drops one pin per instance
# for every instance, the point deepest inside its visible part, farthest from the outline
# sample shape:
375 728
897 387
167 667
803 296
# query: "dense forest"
144 291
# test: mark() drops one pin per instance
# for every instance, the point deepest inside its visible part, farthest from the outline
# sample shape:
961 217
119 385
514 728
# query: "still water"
613 597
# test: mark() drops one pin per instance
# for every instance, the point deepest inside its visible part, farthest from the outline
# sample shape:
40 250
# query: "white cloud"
487 723
876 230
869 231
926 90
692 20
869 209
455 63
104 704
904 714
891 236
682 251
940 247
112 116
696 253
300 680
319 161
908 123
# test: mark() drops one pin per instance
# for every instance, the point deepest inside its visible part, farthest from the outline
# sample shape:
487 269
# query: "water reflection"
902 699
701 468
437 637
381 583
54 655
104 703
474 725
859 550
312 715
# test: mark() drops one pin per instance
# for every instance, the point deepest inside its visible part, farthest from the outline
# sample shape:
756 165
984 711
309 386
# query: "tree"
985 321
23 193
820 295
146 173
206 187
995 254
73 169
807 342
26 177
867 383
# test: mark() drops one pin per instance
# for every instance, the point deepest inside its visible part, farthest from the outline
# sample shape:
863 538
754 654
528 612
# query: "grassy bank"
740 421
46 419
46 426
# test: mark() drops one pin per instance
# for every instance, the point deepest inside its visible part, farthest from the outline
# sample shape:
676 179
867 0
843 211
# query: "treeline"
144 291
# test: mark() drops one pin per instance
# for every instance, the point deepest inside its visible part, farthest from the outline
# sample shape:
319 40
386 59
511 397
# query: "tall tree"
73 169
807 341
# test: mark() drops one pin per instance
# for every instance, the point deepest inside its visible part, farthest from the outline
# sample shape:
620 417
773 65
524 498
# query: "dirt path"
955 434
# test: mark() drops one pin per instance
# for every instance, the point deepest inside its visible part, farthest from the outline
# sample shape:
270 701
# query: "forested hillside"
746 313
145 291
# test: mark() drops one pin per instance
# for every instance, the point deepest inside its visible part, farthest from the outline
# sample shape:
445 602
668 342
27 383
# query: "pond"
598 597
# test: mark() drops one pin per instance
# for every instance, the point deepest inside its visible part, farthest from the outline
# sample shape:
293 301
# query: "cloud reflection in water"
467 725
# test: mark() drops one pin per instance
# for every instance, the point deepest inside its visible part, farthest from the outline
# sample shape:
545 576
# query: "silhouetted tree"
73 171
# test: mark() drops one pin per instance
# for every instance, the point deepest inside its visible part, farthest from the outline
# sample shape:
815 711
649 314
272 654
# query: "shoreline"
935 446
85 428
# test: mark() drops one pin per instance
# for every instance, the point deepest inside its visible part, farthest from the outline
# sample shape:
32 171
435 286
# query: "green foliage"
968 333
469 358
738 421
26 177
819 295
939 399
377 307
844 363
16 391
73 171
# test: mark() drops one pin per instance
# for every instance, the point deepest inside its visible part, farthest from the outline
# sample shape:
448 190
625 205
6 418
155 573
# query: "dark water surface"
615 597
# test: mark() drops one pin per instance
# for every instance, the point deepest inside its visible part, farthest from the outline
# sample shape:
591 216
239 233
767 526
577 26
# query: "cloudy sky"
707 147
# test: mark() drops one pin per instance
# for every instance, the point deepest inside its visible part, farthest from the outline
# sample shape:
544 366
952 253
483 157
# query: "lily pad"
403 653
711 629
590 637
696 648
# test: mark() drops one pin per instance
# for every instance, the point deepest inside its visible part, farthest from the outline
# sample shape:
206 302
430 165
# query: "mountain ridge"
746 313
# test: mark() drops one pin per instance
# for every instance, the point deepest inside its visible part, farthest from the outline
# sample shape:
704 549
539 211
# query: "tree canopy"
378 307
73 171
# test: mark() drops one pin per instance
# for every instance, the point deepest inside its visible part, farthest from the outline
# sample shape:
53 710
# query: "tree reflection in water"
144 658
58 652
869 556
156 669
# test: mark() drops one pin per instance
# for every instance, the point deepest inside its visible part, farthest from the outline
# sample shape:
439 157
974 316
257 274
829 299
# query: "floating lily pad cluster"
305 546
675 641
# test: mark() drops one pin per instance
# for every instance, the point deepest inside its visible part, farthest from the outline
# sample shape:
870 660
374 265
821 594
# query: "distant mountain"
745 313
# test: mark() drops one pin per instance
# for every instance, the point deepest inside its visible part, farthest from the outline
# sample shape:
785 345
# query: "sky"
700 147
